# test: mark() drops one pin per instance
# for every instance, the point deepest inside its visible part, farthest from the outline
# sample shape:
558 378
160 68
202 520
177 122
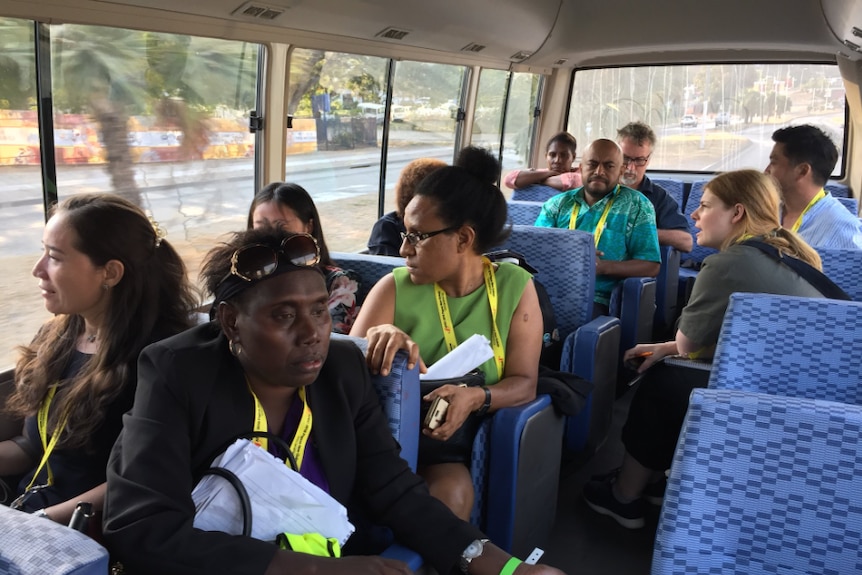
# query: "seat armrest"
401 553
592 352
524 468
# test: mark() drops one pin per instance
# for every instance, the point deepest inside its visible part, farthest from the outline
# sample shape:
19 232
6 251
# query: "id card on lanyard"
442 301
600 226
300 438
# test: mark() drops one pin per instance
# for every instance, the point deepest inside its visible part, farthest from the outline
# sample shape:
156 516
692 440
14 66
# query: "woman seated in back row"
114 286
269 351
736 207
288 206
457 215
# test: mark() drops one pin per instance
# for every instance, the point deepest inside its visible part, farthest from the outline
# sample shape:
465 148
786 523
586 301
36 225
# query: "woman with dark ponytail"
457 215
114 285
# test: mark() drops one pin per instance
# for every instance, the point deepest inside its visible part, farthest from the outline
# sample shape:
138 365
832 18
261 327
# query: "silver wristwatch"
472 551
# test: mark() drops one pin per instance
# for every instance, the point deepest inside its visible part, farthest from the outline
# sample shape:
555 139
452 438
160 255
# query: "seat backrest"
566 264
791 346
697 253
370 268
534 193
838 190
852 205
844 267
524 213
674 188
32 545
763 484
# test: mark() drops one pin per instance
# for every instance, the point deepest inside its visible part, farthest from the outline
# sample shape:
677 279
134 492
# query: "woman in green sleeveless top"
446 293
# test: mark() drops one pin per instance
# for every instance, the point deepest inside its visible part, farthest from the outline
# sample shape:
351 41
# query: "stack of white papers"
470 354
282 500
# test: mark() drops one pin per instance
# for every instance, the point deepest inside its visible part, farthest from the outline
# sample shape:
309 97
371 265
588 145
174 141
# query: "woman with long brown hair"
114 286
738 211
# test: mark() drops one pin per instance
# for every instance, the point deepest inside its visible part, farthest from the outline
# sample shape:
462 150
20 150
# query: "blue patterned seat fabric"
763 484
844 267
838 190
791 346
524 213
852 204
36 546
370 268
698 253
534 193
674 188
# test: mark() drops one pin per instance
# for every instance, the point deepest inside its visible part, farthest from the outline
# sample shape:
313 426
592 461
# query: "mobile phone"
635 362
436 413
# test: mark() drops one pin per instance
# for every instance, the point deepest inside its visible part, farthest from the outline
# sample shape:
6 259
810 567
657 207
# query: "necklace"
91 338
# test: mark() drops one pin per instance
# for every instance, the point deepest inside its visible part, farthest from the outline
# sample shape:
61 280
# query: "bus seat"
691 261
524 213
852 205
838 190
369 267
791 346
763 484
35 546
674 188
633 301
591 347
534 193
666 290
844 267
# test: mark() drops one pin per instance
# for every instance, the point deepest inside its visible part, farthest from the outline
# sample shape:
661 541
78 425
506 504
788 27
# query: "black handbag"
458 447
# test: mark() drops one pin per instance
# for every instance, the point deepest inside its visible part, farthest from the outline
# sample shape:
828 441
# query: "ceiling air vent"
520 56
561 61
392 33
473 47
259 11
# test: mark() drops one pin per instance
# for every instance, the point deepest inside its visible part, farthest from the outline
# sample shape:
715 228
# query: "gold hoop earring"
234 347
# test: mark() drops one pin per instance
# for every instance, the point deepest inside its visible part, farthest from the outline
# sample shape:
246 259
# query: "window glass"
161 119
337 102
712 117
21 307
489 109
520 118
425 101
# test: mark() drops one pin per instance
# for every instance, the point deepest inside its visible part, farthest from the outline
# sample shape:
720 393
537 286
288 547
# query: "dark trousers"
657 412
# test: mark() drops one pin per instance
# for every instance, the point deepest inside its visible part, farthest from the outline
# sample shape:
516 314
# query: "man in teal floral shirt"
621 219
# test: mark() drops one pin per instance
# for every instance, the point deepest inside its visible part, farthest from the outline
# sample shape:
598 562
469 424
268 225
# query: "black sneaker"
600 497
654 492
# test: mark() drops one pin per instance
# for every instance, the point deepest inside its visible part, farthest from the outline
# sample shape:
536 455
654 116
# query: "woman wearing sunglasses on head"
114 286
269 347
288 206
457 215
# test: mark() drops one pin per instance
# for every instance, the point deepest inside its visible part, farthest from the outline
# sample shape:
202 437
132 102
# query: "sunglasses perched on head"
258 261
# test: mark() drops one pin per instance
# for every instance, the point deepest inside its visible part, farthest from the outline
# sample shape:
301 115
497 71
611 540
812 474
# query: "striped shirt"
828 224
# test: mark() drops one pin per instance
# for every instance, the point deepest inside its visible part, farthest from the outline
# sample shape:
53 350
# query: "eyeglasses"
414 238
639 162
258 261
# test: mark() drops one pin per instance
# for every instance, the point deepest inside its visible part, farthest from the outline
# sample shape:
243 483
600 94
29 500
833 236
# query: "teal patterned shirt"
629 231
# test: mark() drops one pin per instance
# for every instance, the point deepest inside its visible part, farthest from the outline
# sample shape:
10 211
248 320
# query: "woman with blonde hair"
738 214
114 286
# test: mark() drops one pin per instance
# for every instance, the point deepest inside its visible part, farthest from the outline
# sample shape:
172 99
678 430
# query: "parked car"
722 119
688 121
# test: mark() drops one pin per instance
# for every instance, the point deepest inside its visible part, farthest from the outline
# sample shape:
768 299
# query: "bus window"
21 307
160 119
337 101
422 125
709 117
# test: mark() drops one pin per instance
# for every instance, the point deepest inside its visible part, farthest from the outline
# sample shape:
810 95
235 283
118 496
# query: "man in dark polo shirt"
637 141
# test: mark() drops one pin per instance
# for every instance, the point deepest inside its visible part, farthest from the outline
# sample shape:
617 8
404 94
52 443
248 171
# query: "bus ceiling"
539 34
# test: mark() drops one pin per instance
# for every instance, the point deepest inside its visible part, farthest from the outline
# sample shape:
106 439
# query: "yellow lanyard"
300 438
600 227
47 445
446 318
814 200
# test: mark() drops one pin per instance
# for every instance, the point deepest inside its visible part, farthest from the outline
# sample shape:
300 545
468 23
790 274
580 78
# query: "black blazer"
191 399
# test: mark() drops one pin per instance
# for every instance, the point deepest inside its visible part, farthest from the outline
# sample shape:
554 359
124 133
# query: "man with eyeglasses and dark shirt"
637 141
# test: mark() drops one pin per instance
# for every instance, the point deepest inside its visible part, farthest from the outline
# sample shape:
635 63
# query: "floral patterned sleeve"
343 286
